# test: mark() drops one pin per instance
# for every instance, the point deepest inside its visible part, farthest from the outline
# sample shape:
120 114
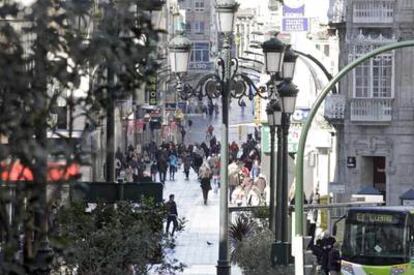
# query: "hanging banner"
265 134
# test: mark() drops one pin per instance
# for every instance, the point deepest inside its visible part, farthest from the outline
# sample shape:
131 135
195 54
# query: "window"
326 50
199 5
199 27
200 52
376 242
373 78
373 11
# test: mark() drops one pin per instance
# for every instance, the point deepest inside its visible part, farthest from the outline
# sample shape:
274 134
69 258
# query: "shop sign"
351 162
151 89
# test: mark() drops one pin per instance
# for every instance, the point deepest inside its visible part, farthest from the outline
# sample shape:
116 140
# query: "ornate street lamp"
274 113
273 50
281 246
288 93
227 82
289 63
180 47
225 10
274 119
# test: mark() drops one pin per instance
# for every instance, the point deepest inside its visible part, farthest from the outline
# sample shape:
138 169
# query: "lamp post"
274 119
225 82
287 94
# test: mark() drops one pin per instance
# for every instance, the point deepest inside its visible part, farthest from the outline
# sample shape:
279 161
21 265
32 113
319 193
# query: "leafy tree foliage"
48 50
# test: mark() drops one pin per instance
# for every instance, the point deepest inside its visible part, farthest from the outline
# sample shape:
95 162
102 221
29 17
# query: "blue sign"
293 12
294 24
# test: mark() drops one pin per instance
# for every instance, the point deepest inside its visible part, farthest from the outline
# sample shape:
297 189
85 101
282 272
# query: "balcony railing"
337 11
371 109
373 11
334 107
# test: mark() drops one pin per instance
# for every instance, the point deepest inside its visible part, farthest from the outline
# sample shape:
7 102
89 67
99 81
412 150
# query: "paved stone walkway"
202 226
202 220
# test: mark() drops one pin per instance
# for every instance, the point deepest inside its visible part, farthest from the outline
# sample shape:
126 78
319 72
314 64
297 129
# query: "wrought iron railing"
371 109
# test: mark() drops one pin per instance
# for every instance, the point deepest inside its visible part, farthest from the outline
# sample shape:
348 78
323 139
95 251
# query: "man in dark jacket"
162 168
327 243
334 260
172 214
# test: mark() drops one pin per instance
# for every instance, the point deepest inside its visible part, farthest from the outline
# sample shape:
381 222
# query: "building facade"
373 112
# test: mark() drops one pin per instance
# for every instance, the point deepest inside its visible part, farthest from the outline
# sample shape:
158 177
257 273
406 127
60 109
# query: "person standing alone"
172 215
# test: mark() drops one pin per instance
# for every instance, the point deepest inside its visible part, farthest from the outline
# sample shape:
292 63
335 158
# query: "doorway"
379 177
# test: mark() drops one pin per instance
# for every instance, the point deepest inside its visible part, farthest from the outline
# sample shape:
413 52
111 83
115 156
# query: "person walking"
205 177
173 162
234 179
172 215
186 158
183 132
214 162
154 170
243 106
162 168
190 124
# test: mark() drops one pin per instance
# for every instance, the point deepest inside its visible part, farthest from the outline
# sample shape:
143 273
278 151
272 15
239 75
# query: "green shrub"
253 255
112 239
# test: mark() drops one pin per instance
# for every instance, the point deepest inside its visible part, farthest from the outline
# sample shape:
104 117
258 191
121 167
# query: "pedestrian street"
197 245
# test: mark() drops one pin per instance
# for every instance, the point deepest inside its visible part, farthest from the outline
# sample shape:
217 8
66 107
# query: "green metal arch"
306 126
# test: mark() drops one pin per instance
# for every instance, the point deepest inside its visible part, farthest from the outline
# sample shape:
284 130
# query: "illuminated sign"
151 88
375 218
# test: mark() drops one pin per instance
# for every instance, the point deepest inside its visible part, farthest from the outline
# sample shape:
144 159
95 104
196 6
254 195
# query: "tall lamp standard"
287 94
225 82
274 119
273 51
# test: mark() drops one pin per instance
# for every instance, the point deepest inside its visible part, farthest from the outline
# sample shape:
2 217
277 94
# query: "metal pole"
279 249
272 212
223 263
279 179
284 188
305 130
110 130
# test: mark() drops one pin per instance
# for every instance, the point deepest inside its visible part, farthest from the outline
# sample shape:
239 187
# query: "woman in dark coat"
186 157
205 177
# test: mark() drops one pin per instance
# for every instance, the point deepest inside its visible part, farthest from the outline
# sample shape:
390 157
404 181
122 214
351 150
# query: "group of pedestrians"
129 166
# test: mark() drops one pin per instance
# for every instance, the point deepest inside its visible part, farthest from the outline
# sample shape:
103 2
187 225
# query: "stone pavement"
202 220
202 225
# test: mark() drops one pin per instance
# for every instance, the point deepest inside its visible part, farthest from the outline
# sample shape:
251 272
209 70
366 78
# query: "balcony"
334 107
371 109
373 11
